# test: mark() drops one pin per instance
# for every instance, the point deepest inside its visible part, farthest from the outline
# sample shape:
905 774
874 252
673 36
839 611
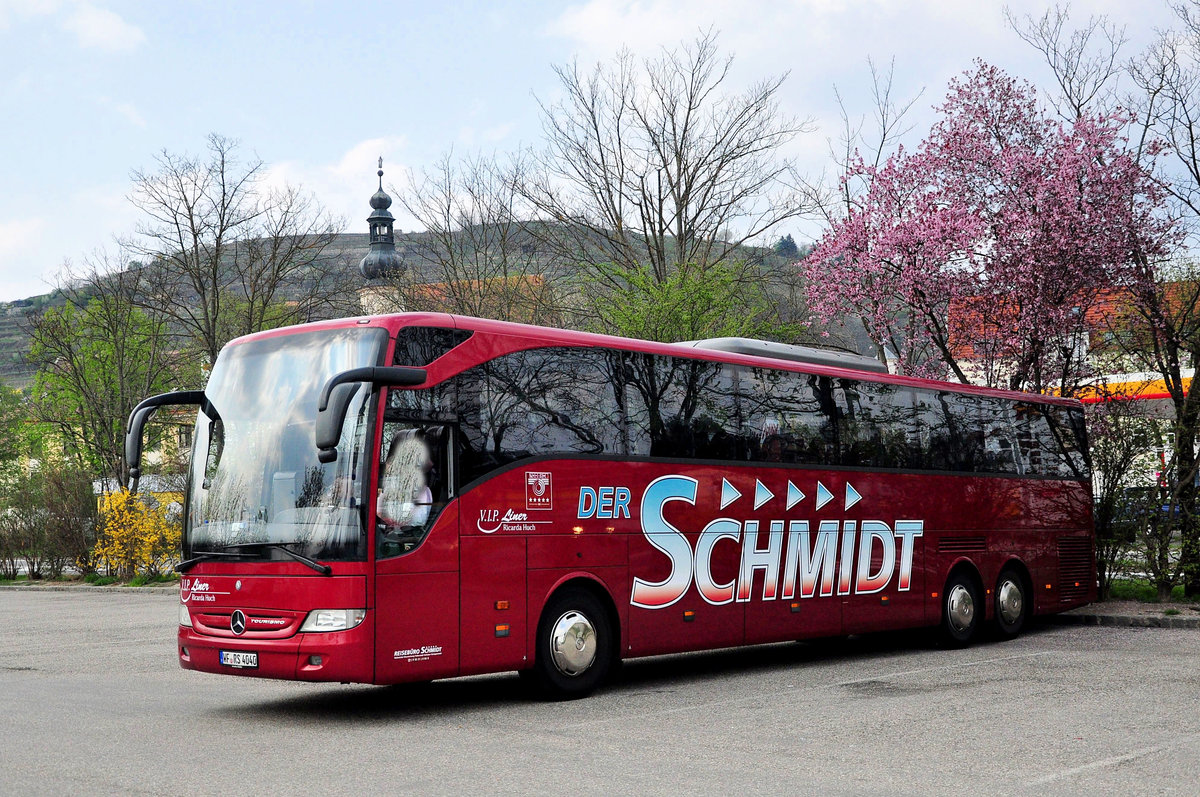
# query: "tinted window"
540 402
575 401
419 346
683 408
875 424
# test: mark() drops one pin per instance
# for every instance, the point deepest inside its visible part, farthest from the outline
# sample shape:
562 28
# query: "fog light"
314 661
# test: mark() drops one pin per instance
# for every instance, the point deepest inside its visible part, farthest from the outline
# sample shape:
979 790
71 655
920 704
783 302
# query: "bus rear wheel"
1012 603
961 609
574 645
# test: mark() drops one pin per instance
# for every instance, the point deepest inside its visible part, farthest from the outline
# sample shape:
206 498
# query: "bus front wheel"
574 645
961 610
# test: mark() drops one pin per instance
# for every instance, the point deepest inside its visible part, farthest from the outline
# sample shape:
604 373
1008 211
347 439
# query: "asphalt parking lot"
94 701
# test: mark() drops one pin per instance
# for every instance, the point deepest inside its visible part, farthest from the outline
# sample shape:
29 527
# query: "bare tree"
871 142
649 165
1167 298
1085 62
225 256
1167 77
1120 433
1161 332
858 140
477 255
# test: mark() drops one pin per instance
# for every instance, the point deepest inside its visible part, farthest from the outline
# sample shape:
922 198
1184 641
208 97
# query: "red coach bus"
419 496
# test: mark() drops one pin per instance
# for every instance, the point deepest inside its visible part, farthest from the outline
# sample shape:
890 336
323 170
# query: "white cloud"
130 112
472 137
34 249
22 244
101 29
25 9
344 186
19 235
126 109
821 43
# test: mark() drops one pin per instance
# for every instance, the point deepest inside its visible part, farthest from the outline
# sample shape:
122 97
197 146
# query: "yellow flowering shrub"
134 537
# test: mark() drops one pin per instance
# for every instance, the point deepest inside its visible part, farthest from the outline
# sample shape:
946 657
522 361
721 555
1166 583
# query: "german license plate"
239 658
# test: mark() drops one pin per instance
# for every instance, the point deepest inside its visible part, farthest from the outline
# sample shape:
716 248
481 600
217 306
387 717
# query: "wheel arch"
1007 629
972 571
591 584
1018 564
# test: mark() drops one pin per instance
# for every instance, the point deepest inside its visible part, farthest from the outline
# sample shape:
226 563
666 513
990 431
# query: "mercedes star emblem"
237 623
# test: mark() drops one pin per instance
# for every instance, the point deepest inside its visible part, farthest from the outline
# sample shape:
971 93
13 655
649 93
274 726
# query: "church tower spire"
381 260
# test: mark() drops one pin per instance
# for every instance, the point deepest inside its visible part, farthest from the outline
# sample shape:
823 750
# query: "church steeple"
382 259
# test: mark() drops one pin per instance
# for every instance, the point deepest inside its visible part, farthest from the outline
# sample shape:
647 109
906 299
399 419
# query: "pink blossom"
989 242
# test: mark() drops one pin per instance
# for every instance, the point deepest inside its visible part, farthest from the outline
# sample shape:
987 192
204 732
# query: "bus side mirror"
337 392
137 423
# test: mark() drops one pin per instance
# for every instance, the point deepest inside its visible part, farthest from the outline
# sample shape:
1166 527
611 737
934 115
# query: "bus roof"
528 336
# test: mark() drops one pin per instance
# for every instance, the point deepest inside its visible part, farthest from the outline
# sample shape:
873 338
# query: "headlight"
333 619
185 617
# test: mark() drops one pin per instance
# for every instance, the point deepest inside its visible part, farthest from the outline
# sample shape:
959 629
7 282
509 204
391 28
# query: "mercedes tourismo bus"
418 496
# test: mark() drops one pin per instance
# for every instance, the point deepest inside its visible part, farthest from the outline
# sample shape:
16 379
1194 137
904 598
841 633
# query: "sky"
92 91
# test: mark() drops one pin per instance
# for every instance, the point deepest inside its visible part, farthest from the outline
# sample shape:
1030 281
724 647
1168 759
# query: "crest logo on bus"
538 490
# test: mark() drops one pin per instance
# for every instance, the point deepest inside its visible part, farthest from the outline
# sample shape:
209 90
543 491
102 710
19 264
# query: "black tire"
961 610
575 644
1012 603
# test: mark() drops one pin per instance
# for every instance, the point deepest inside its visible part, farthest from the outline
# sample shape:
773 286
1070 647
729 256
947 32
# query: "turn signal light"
502 630
689 616
501 605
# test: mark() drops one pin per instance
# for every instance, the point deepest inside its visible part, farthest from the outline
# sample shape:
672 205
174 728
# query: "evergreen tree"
786 247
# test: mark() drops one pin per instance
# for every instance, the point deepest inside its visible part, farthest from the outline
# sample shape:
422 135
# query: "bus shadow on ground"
428 700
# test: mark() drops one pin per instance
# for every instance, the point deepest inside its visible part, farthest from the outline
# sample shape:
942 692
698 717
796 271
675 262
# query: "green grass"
95 579
1140 589
142 580
1171 612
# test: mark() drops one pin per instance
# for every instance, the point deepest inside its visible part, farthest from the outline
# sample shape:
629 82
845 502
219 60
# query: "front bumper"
342 656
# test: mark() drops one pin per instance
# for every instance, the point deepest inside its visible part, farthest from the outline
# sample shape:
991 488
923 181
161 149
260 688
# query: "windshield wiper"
188 564
324 570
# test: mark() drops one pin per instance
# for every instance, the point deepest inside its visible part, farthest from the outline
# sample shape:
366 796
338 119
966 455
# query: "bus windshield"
256 487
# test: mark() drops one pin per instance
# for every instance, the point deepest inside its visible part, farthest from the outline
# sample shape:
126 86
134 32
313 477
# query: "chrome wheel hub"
1009 602
960 608
573 643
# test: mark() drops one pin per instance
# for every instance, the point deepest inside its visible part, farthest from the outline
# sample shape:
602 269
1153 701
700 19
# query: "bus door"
416 553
